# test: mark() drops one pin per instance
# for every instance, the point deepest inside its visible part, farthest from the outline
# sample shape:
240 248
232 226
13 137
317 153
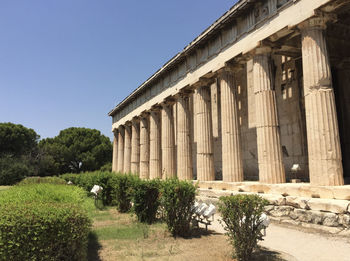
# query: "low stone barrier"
304 211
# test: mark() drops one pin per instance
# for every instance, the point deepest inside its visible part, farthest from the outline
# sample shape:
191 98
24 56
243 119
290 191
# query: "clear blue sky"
66 63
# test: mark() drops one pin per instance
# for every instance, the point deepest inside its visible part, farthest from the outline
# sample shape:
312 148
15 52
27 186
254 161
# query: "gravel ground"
300 243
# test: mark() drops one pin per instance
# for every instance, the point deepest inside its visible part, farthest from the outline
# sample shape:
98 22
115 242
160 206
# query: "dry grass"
120 237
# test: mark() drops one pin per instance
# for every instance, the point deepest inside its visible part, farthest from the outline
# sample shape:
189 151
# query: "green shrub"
177 199
122 188
241 216
89 179
107 167
146 200
117 188
38 180
44 222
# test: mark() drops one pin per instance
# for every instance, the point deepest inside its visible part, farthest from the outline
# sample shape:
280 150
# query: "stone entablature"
238 31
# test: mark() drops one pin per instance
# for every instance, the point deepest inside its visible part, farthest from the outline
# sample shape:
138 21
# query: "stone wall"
302 211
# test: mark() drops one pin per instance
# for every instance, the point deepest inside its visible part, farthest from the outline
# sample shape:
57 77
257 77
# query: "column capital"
144 115
168 102
230 68
115 131
203 82
183 93
317 22
135 119
121 128
128 124
155 108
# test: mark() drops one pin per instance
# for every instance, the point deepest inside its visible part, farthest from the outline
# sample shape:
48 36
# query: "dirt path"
302 244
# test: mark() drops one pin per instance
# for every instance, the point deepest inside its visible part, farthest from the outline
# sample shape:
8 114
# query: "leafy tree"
18 152
76 150
17 140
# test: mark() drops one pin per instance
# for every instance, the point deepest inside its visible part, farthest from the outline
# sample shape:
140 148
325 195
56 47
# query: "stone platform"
296 204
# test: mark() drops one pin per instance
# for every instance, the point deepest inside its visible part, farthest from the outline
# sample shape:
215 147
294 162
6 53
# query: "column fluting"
271 169
168 142
127 149
204 134
115 151
155 161
135 146
144 147
324 151
184 150
120 149
232 164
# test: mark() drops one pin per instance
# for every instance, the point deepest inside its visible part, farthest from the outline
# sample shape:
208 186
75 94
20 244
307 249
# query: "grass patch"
121 233
4 187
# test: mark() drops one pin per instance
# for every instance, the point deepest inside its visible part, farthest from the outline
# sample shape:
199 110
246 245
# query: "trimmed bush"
117 188
177 199
89 179
38 180
146 200
44 222
241 216
122 188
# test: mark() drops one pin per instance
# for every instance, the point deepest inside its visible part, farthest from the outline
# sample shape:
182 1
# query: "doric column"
271 169
232 165
144 146
155 161
184 151
127 149
135 146
115 152
325 159
204 134
120 149
168 141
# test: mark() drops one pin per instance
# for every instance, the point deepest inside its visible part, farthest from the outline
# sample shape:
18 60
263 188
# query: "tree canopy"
17 140
76 150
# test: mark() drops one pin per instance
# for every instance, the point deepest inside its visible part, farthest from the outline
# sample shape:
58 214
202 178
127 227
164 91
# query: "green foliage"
44 222
241 216
12 170
88 179
38 180
107 167
177 199
76 150
17 140
122 190
146 200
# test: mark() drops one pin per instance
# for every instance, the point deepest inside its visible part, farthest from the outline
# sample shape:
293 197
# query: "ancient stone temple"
259 99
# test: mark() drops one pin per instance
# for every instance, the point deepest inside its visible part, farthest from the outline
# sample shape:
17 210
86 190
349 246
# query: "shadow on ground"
264 254
93 247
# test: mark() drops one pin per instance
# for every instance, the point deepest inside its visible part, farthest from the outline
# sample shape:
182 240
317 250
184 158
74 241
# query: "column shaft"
168 142
115 152
121 149
155 164
232 165
271 169
135 147
204 134
144 148
127 149
325 159
184 151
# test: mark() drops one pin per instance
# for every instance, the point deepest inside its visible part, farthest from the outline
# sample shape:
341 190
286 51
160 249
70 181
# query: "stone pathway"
301 244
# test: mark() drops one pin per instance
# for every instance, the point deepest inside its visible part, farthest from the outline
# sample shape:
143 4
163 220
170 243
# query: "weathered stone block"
276 200
282 211
331 220
344 220
297 202
329 205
